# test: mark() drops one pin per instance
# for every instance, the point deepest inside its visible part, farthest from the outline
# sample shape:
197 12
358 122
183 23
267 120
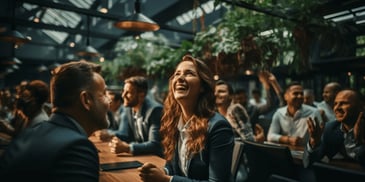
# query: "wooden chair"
324 172
264 160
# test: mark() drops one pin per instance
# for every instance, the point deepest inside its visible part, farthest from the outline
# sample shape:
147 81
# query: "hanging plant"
266 41
236 43
244 39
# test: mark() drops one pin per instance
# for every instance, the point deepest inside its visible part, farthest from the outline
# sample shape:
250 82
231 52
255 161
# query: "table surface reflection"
125 175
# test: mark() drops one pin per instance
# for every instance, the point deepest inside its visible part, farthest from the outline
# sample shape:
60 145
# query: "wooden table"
125 175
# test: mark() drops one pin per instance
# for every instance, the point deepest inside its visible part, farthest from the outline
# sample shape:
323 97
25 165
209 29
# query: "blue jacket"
151 112
214 162
55 150
332 142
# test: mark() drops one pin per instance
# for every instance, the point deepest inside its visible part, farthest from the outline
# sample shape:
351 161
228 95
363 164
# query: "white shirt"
328 110
183 162
284 124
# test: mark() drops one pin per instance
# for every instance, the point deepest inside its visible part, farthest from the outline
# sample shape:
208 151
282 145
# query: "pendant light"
13 36
12 60
137 22
88 51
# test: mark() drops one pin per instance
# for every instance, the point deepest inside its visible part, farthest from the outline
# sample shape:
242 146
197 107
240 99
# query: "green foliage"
241 31
256 40
164 63
145 56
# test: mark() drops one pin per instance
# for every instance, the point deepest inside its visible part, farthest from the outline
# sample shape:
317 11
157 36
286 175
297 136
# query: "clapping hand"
315 131
264 78
259 133
359 129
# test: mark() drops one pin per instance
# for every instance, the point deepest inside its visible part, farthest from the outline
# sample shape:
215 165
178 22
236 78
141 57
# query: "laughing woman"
198 142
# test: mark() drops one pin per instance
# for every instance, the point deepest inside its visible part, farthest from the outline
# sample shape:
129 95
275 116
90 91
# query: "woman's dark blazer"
214 162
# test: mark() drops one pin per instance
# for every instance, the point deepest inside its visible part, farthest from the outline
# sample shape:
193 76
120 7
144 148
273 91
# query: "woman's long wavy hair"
172 112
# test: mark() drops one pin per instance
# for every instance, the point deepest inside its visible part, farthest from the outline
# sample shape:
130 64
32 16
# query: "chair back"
264 160
324 172
237 157
278 178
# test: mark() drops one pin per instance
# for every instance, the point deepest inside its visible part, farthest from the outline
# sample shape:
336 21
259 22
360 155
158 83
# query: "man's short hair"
222 82
69 79
291 84
140 82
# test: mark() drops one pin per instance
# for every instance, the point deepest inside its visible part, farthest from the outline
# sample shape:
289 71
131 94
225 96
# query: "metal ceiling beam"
169 13
94 13
336 6
259 9
174 10
174 29
75 9
31 12
25 23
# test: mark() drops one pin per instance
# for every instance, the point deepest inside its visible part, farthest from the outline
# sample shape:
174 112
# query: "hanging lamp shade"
137 22
14 37
11 61
88 51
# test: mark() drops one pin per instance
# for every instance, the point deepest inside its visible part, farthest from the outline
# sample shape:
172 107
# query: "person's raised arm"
277 88
359 129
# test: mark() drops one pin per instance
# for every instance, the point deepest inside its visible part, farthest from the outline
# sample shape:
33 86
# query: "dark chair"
237 157
324 172
264 160
278 178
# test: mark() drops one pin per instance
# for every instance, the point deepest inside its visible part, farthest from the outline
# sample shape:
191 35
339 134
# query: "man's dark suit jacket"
214 162
151 112
332 142
55 150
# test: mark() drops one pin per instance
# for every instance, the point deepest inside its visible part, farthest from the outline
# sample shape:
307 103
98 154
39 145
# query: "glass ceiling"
354 14
58 17
187 17
70 19
75 21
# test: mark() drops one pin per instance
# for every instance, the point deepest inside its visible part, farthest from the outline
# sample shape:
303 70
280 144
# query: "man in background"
289 123
330 91
309 98
139 130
